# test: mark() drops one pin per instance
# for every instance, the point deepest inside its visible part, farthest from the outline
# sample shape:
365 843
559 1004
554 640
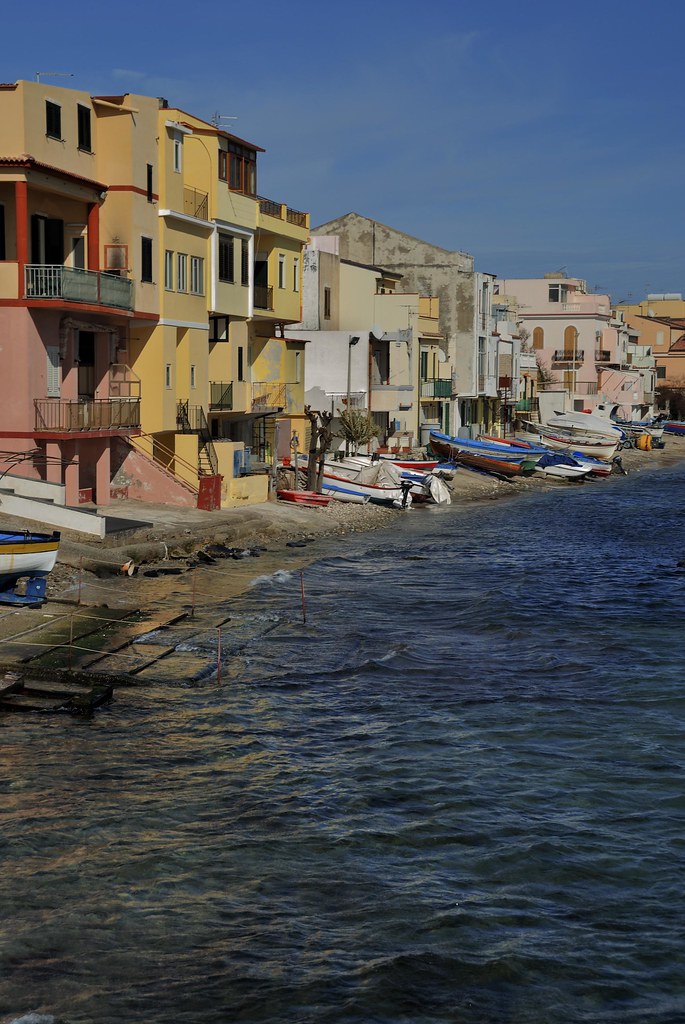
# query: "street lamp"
353 340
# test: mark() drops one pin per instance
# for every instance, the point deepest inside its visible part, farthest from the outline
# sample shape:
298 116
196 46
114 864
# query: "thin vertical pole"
218 657
80 584
192 613
304 606
71 641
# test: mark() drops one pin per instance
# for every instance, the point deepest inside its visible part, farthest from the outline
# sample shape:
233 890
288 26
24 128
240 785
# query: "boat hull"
451 448
309 498
26 554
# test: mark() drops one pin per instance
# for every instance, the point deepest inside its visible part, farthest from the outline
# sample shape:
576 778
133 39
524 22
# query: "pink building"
584 350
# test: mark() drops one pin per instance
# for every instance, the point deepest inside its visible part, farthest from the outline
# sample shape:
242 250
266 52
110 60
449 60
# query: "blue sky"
536 136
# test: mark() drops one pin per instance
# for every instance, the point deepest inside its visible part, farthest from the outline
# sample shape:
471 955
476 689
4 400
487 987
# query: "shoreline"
171 584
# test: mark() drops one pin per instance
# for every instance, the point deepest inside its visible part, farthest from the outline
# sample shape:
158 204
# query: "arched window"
570 342
538 337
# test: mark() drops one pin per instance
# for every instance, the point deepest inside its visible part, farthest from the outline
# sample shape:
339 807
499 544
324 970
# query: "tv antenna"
53 74
217 118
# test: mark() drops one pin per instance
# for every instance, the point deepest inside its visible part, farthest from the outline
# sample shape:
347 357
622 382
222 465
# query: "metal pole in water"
218 658
192 611
304 607
71 640
80 584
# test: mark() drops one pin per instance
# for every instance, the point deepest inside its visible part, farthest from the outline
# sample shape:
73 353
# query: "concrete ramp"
44 511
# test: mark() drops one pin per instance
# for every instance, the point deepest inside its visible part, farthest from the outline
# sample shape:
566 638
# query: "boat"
558 464
568 441
675 427
378 481
309 498
492 459
585 423
24 554
533 452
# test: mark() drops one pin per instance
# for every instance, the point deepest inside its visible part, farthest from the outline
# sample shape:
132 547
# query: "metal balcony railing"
297 218
562 356
270 208
53 281
282 212
264 296
93 414
195 203
436 389
220 396
268 396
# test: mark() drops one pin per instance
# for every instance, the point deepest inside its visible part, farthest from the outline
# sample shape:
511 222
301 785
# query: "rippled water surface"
455 794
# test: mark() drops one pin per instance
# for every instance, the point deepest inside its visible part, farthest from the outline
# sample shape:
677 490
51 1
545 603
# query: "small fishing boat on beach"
675 427
378 482
24 554
568 441
487 458
309 498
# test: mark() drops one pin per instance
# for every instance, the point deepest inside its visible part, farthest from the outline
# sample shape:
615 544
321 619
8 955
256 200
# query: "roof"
669 321
678 345
369 266
29 163
219 131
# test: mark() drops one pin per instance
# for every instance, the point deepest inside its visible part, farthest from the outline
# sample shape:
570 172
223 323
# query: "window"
78 252
53 120
244 262
178 152
558 292
538 338
223 164
661 373
241 367
3 251
218 328
423 369
327 303
192 376
242 169
182 272
296 275
169 270
150 194
83 125
167 376
281 271
298 367
146 259
197 275
53 381
226 259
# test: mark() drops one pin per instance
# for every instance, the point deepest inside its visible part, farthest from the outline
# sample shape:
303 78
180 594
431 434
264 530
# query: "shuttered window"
226 259
53 375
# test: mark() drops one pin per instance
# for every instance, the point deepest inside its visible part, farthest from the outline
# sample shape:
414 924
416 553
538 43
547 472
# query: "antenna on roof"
53 74
217 118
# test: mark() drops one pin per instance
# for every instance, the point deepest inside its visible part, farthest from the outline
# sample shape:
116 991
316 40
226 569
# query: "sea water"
455 793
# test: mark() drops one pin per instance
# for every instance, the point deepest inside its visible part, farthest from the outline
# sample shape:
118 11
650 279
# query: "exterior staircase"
191 419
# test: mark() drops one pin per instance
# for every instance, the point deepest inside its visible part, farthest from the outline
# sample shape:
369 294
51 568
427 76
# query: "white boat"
569 441
30 555
379 482
585 423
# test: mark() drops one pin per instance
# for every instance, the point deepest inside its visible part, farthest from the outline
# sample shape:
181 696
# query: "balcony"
268 397
282 212
48 281
195 203
264 296
220 396
571 356
431 389
602 356
53 414
585 387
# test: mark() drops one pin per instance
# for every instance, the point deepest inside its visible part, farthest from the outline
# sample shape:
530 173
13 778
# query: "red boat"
310 498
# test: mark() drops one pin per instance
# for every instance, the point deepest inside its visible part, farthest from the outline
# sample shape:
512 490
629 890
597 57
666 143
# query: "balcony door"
47 240
86 366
